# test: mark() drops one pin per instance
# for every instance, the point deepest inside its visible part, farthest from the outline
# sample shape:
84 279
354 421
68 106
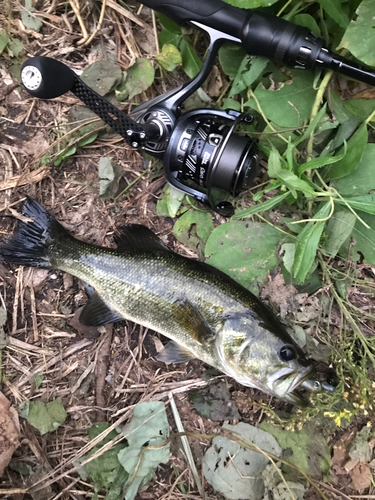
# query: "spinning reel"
203 153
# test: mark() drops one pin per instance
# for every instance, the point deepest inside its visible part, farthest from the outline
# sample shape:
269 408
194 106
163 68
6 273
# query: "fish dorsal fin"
188 316
97 313
137 237
174 353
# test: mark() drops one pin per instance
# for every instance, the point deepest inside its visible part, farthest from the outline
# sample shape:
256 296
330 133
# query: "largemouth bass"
204 312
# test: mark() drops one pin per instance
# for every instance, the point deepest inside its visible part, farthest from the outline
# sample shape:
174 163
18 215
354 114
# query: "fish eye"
287 353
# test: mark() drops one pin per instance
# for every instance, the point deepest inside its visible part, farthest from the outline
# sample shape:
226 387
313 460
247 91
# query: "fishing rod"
203 154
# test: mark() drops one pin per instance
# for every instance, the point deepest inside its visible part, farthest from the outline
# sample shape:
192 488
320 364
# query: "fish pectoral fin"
174 353
97 313
191 320
137 237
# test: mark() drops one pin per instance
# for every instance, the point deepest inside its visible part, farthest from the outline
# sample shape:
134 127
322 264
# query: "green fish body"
204 312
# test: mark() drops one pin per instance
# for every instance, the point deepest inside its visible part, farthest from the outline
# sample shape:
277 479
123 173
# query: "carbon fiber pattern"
116 119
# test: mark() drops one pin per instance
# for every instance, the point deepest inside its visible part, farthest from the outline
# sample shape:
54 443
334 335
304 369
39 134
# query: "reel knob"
46 78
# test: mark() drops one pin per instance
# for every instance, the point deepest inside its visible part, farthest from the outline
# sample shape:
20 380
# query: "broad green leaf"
105 471
38 380
239 478
244 250
46 417
140 76
15 47
313 125
262 207
168 38
169 57
87 140
169 25
69 151
28 19
4 39
251 4
308 448
102 76
148 427
307 21
365 203
230 58
359 37
334 9
339 228
190 60
110 174
362 181
193 229
354 152
307 244
214 402
231 104
290 106
364 240
250 69
170 202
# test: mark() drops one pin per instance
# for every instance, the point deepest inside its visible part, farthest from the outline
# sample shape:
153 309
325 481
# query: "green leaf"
169 25
38 380
46 417
288 178
193 229
4 39
140 76
354 152
262 207
87 140
307 21
231 104
69 151
334 9
290 106
339 228
190 60
239 477
244 250
251 4
364 203
28 19
170 202
322 161
214 402
148 427
102 76
15 47
169 57
362 181
250 69
359 37
105 471
307 449
230 58
364 240
307 244
109 177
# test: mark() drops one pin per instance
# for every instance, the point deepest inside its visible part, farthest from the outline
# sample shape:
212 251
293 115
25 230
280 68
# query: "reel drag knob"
46 78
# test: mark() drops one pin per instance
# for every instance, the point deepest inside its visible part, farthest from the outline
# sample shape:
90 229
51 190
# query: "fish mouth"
286 383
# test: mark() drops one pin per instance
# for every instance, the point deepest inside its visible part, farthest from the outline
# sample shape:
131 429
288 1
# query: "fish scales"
205 312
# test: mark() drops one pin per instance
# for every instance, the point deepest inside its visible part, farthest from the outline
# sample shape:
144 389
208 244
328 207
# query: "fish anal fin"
188 316
174 353
138 237
97 313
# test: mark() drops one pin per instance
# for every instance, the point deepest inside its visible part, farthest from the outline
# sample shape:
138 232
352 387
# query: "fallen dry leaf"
282 295
361 476
9 432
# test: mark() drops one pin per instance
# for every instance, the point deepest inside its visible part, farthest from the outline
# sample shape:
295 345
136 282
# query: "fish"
205 313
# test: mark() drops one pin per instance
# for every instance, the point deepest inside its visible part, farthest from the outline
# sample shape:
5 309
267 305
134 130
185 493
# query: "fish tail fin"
30 245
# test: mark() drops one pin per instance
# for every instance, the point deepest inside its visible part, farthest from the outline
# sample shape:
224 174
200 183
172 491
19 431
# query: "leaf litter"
39 371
